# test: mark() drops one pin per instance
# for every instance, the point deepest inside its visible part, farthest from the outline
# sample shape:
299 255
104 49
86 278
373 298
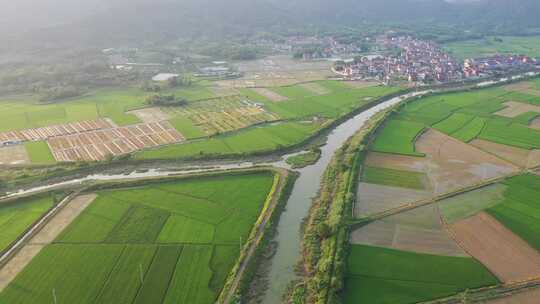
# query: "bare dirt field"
372 198
57 130
515 155
394 161
514 109
148 115
523 87
100 144
14 155
521 157
45 236
527 297
452 164
278 71
361 83
535 124
315 88
273 96
418 230
502 252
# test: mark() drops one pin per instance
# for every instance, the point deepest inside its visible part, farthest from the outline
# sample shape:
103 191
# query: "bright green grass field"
464 116
471 130
39 153
453 123
489 46
181 238
513 134
23 112
27 113
293 92
380 275
396 178
18 216
186 127
331 105
398 137
256 139
520 209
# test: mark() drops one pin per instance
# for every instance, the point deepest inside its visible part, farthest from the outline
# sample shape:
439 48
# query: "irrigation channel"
288 236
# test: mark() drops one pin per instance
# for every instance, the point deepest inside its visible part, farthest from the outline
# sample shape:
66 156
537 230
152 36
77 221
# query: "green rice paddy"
398 136
393 177
464 116
379 275
169 242
39 153
520 210
16 217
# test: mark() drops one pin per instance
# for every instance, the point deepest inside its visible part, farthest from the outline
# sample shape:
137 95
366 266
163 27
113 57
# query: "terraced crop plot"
169 242
223 114
379 275
56 130
98 145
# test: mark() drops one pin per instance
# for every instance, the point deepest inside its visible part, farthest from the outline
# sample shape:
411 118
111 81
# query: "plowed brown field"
506 255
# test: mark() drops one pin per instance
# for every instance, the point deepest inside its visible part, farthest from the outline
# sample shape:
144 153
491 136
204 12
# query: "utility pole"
141 273
54 296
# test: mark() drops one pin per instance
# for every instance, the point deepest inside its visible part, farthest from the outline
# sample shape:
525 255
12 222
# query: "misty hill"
122 21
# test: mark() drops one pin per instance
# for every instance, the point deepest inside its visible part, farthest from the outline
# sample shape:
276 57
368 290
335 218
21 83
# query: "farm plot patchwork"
380 275
98 145
505 254
520 211
168 242
258 139
56 130
418 230
222 115
453 164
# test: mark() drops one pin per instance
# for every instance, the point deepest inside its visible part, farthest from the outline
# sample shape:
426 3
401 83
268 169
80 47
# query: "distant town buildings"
418 61
164 77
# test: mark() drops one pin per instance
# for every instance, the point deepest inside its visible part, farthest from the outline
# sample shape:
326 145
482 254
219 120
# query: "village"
423 62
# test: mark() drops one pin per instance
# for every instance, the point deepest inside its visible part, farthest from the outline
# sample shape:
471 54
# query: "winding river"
288 236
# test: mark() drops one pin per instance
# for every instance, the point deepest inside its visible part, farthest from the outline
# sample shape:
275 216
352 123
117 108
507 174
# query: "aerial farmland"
449 179
160 241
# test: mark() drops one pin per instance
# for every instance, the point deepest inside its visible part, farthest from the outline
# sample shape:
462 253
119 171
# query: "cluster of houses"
414 60
498 63
410 60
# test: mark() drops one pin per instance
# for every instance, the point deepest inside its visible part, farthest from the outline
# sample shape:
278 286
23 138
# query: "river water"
305 189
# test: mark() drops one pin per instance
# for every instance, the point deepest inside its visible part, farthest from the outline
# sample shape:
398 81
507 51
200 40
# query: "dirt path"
258 236
527 297
46 235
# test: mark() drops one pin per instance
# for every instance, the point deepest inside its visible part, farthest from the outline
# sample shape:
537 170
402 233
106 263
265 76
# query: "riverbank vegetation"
304 159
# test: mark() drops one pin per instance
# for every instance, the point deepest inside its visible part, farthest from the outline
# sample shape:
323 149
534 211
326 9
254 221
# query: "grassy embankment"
304 159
